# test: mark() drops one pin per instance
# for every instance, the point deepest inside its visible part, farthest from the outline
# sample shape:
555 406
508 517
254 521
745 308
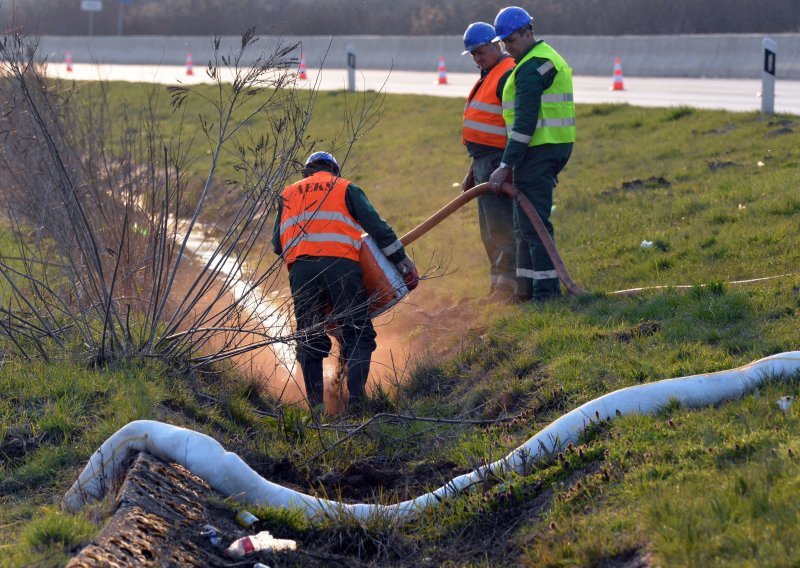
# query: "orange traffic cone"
617 86
303 75
442 71
68 61
189 64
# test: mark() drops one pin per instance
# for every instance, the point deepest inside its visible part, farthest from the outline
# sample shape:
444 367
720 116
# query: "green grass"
53 417
717 194
409 161
696 488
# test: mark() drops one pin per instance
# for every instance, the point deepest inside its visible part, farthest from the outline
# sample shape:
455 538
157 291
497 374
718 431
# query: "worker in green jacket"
318 232
539 114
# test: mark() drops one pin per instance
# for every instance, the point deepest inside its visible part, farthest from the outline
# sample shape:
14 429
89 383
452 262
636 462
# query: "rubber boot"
544 290
312 377
357 373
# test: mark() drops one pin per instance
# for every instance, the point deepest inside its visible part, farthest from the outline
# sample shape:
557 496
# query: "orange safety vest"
483 113
315 220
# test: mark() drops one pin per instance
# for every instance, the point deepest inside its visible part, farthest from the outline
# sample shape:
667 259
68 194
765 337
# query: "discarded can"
249 521
785 402
212 533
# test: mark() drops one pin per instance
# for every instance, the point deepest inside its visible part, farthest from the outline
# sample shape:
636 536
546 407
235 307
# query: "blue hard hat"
322 157
509 20
477 34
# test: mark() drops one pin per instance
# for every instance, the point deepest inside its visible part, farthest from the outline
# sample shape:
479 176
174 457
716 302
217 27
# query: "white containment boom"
228 474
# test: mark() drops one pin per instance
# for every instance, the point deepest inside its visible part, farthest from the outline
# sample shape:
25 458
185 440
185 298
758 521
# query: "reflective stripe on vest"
542 123
562 97
488 128
315 220
556 123
483 113
319 215
493 109
322 238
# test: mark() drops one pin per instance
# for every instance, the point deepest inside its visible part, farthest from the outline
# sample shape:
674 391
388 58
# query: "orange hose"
527 208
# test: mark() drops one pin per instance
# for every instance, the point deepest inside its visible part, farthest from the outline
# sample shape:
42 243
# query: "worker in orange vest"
484 135
318 233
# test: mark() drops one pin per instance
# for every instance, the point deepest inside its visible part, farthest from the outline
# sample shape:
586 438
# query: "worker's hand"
498 178
408 270
469 181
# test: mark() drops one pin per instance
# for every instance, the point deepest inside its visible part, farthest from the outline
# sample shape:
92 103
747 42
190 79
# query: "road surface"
729 94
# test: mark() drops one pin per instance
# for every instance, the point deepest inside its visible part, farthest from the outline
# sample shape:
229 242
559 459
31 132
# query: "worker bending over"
484 135
318 233
539 115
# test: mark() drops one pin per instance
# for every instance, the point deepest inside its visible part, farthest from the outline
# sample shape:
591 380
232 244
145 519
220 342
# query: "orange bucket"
385 286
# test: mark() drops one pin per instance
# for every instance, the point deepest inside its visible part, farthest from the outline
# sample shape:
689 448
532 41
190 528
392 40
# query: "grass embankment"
715 191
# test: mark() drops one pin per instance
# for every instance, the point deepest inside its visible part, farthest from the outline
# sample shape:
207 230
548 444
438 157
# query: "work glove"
498 178
408 270
469 181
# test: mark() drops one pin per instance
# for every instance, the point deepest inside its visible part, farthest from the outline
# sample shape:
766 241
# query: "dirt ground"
160 511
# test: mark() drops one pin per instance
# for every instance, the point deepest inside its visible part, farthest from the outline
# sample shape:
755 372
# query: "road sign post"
91 6
351 68
768 76
119 15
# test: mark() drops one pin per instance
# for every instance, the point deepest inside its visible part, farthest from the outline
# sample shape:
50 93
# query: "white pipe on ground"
228 474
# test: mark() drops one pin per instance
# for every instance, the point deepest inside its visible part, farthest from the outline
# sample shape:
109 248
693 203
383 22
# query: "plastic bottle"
249 521
254 543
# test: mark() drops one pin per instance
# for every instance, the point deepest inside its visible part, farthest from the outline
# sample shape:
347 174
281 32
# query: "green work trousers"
328 292
536 177
496 220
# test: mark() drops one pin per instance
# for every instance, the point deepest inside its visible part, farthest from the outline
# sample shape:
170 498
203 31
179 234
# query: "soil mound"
160 512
